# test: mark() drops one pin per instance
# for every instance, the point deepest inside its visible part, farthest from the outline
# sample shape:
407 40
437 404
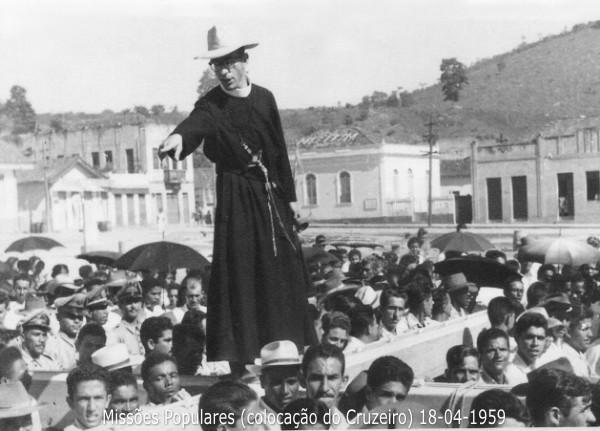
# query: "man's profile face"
34 340
124 399
468 371
531 343
580 414
388 393
324 380
393 312
99 315
516 290
90 398
163 383
337 337
164 344
71 323
230 70
494 357
581 335
153 295
281 385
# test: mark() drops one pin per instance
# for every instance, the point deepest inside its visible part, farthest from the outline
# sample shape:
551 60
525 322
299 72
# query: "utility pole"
431 138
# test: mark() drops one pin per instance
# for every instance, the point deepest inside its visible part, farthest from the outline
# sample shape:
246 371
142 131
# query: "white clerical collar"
238 92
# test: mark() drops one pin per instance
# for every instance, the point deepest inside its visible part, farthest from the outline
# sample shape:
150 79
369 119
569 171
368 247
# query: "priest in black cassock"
258 285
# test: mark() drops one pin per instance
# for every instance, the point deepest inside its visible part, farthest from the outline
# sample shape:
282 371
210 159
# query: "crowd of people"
111 329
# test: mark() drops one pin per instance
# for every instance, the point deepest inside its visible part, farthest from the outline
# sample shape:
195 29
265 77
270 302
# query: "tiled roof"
325 139
55 170
10 153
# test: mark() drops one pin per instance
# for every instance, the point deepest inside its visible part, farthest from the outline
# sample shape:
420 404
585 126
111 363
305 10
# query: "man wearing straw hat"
16 407
257 291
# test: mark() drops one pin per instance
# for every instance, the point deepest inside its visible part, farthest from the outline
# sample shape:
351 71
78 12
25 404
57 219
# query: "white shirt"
354 345
578 361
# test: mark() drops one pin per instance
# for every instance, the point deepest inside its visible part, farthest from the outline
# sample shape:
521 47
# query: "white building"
112 174
12 162
346 176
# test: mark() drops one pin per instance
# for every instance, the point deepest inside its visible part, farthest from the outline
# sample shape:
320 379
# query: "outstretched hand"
172 143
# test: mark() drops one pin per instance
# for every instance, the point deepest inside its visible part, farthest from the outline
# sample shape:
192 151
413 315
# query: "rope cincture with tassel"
256 160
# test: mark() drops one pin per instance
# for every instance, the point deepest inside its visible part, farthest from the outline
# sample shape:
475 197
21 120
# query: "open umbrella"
161 256
477 269
33 243
461 241
316 255
561 251
100 257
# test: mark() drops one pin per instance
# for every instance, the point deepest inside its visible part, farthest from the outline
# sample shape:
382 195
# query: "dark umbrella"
461 241
479 270
161 256
33 243
316 255
100 257
356 244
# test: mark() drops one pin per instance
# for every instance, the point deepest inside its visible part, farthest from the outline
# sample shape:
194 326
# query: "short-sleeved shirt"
62 349
129 334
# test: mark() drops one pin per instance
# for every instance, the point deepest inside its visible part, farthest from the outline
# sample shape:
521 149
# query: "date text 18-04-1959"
433 417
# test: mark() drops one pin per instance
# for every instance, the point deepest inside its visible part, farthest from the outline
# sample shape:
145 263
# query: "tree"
142 110
207 82
157 110
20 111
406 99
453 78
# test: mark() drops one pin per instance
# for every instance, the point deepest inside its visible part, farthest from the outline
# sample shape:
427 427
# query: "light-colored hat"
36 319
74 303
15 401
454 282
223 41
276 354
114 357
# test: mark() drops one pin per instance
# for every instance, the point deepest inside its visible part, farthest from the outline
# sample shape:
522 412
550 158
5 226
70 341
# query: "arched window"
345 188
311 189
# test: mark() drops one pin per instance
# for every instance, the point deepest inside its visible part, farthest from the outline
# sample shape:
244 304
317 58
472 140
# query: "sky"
91 55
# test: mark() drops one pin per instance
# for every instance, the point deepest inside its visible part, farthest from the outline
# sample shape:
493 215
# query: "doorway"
494 189
519 194
566 206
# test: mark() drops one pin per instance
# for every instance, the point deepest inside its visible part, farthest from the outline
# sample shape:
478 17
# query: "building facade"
344 176
12 163
116 166
553 177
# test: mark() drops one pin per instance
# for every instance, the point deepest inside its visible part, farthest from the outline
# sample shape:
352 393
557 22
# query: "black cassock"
258 285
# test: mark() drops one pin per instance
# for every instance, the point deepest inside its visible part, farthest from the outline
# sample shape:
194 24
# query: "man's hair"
354 252
92 329
535 293
305 406
577 318
186 364
335 319
148 284
20 277
492 400
188 279
498 309
152 329
545 267
323 351
225 397
85 271
417 293
494 254
528 320
361 317
554 388
8 356
85 373
389 293
153 359
389 369
412 241
122 377
456 355
488 335
58 268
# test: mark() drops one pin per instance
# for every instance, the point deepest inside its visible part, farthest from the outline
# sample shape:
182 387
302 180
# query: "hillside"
512 94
